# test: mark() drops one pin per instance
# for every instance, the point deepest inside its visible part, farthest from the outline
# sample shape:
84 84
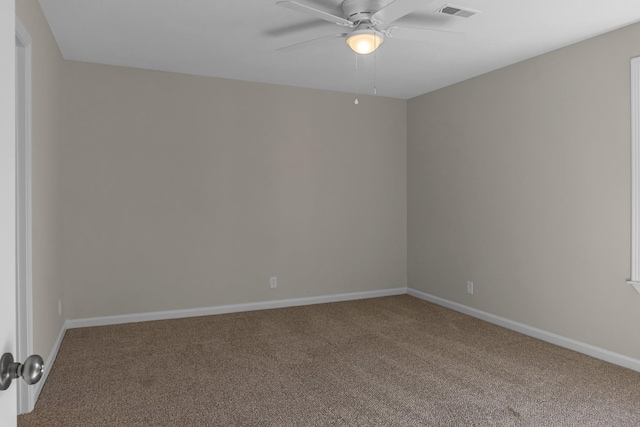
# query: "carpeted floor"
394 361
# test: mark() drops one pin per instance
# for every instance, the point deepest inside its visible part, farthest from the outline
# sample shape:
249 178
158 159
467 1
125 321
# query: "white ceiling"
238 39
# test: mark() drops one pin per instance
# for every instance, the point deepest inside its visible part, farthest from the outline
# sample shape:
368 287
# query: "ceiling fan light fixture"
365 41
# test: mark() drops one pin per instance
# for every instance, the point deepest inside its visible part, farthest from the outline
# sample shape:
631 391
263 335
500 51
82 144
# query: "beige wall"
519 180
184 191
47 127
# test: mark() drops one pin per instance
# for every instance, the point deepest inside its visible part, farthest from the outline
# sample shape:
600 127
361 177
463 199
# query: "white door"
7 202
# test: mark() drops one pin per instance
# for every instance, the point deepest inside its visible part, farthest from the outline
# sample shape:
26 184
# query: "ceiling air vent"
457 11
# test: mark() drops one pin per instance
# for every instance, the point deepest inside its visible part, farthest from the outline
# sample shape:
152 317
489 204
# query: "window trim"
635 174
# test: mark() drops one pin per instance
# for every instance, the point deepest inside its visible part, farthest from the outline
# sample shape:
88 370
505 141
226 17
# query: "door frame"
24 291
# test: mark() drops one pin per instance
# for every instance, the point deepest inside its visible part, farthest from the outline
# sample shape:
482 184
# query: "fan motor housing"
361 10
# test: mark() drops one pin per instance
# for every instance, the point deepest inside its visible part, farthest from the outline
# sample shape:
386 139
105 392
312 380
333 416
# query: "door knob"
31 371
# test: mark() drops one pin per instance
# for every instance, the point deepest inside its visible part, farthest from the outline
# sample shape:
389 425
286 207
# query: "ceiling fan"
371 21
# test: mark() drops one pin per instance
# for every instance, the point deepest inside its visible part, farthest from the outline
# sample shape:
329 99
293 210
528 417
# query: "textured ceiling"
238 40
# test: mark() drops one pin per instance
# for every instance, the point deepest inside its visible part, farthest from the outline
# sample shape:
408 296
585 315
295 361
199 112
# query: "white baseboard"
35 391
225 309
580 347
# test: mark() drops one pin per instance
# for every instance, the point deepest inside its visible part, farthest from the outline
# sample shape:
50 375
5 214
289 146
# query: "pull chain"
356 101
375 61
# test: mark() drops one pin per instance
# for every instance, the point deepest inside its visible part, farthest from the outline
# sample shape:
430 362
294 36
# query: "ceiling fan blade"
421 34
397 9
301 7
311 42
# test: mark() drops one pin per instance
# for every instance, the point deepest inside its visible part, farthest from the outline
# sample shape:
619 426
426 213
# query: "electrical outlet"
59 307
273 282
470 288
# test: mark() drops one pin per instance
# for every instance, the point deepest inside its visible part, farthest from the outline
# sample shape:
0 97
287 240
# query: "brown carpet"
394 361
